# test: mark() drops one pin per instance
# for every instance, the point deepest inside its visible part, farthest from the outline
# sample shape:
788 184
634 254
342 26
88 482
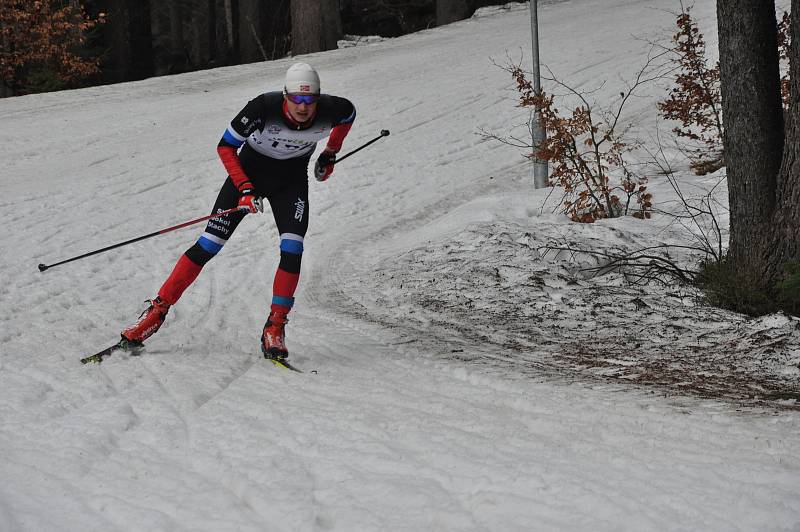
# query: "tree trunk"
5 88
316 25
306 26
786 233
220 41
448 11
119 39
229 25
141 39
198 34
331 24
752 111
250 30
211 32
277 29
159 26
131 39
177 46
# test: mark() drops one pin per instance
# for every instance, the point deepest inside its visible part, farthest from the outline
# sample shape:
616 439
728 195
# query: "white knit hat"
301 78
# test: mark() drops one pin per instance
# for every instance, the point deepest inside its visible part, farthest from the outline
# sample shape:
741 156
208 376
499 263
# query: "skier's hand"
324 165
250 202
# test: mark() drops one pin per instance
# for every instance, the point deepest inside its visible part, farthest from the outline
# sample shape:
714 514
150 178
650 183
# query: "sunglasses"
303 98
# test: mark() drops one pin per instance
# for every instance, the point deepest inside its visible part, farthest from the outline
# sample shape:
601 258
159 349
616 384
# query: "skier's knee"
291 252
201 254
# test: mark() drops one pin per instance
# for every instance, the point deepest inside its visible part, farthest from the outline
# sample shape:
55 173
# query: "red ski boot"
149 322
272 340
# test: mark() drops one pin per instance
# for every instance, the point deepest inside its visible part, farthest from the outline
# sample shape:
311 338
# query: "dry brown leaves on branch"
695 101
584 152
43 37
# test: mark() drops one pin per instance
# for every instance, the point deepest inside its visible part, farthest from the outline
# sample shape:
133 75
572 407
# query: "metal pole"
540 170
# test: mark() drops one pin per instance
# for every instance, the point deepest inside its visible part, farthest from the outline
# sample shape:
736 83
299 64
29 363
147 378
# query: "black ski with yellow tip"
281 362
135 347
123 345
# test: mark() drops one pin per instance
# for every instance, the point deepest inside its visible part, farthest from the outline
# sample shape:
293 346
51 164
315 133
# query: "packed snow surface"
457 377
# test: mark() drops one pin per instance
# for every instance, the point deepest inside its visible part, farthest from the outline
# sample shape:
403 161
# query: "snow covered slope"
400 428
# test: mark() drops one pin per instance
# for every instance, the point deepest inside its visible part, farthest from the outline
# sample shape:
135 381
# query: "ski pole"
43 267
384 133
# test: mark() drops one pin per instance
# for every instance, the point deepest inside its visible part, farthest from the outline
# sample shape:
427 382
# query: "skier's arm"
323 168
230 160
336 139
248 120
346 116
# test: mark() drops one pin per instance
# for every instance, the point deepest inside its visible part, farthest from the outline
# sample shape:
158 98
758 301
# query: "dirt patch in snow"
490 295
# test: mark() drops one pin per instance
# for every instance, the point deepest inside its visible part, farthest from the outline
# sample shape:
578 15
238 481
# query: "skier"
266 151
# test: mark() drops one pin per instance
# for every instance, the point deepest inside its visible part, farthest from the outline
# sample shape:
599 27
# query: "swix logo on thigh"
221 228
300 209
221 219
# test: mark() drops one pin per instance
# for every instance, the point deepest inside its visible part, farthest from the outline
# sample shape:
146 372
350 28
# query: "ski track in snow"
382 431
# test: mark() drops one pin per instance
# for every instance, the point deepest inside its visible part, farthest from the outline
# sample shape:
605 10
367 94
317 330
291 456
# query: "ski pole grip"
43 267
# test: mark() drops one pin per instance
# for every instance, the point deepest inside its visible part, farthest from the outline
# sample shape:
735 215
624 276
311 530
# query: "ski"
283 363
123 344
126 345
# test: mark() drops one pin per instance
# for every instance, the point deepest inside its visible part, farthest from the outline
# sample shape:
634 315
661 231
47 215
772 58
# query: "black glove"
324 165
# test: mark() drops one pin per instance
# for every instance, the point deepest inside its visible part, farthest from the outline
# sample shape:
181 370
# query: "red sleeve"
338 134
230 159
